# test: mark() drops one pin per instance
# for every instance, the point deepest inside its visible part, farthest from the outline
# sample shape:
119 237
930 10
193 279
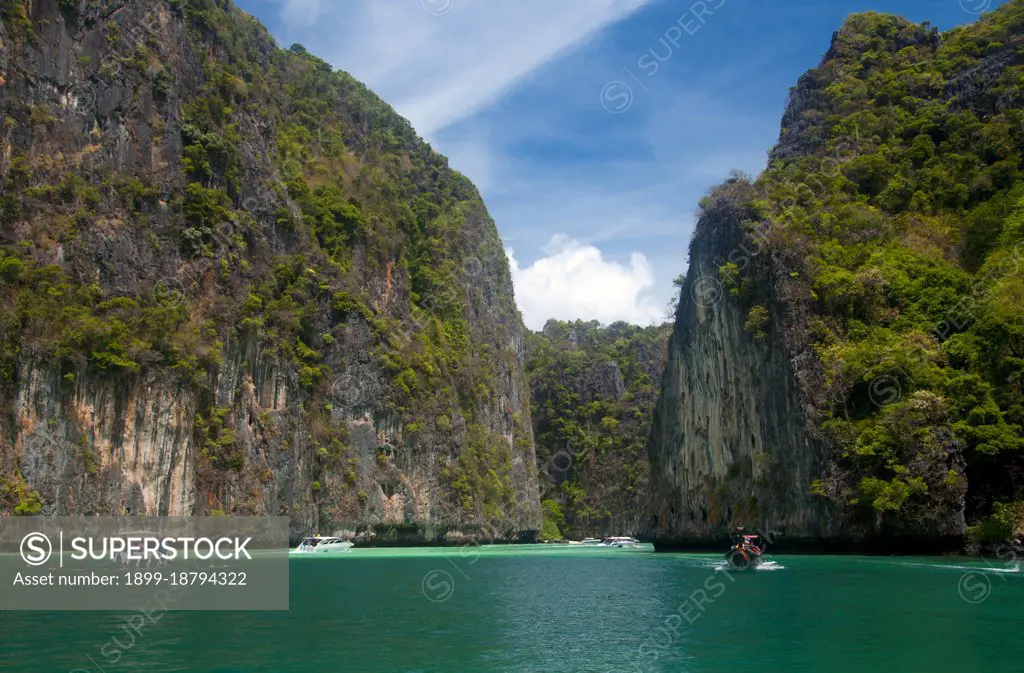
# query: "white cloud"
574 281
437 69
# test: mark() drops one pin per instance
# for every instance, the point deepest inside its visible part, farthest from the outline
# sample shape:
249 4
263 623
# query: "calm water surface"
568 609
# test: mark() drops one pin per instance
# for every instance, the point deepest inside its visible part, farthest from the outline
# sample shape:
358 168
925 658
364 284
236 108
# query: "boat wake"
764 566
767 566
977 568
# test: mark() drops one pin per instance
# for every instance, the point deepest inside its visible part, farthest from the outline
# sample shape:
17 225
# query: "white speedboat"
620 542
590 540
323 545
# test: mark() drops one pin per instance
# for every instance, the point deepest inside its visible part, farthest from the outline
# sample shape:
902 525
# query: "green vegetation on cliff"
896 197
183 201
593 391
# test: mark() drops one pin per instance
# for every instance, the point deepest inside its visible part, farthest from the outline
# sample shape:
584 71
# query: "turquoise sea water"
556 608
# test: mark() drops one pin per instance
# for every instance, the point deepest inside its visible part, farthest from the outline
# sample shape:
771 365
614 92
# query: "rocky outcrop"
809 103
788 404
736 437
972 88
256 308
732 440
106 447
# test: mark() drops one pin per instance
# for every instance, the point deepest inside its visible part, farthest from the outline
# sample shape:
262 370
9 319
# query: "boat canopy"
319 539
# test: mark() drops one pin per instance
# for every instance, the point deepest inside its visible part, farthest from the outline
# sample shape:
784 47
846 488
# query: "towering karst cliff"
847 365
234 280
732 439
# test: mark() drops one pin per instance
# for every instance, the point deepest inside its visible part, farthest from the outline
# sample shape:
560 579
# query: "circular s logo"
472 266
884 390
616 97
706 291
169 292
438 586
437 7
36 549
975 6
974 587
349 388
561 461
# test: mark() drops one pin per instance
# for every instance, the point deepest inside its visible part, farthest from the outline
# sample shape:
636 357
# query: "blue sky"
591 127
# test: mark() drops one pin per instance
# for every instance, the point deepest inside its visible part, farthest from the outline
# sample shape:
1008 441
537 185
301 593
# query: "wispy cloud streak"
439 68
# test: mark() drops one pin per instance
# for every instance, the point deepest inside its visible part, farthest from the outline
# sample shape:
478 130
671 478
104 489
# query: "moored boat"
620 542
318 544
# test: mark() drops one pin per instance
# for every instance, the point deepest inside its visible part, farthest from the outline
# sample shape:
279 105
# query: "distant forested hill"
593 391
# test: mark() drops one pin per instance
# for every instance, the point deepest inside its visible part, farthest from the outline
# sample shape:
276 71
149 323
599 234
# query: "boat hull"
332 550
742 559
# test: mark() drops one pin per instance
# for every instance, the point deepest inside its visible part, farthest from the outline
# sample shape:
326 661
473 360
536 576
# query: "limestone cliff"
845 368
732 433
236 281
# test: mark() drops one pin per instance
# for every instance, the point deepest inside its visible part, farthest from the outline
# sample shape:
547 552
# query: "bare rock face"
237 282
730 443
106 448
737 434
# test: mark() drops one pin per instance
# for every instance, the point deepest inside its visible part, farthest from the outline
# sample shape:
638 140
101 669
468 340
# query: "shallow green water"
545 608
